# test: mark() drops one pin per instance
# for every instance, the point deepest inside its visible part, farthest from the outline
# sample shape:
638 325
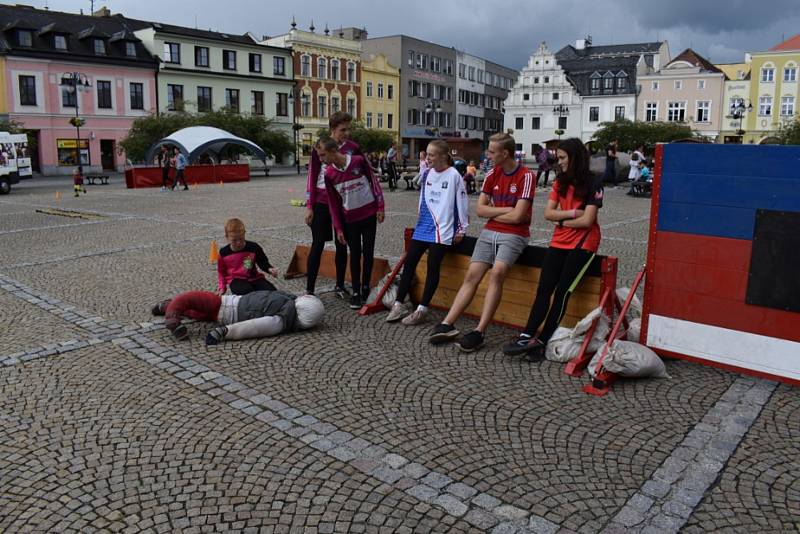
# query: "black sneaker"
356 302
215 335
180 332
342 293
443 333
470 342
522 345
160 309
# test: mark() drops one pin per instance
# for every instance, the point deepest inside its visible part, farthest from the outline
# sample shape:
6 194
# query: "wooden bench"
90 179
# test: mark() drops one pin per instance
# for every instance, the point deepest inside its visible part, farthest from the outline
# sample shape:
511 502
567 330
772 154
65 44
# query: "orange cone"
213 253
220 183
58 196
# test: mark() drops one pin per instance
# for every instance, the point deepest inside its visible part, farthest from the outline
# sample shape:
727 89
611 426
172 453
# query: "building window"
622 84
436 64
462 70
334 69
305 105
595 85
790 74
104 94
594 113
99 47
137 95
519 123
471 75
448 67
322 68
390 92
257 102
555 96
676 111
480 75
619 113
351 106
703 113
69 99
526 96
172 53
654 85
701 84
335 104
562 123
369 119
229 59
546 80
678 85
536 123
24 38
60 42
130 49
322 106
651 112
351 71
787 106
765 106
27 90
380 90
204 102
767 74
369 88
389 121
174 97
68 151
305 66
380 120
255 62
448 94
282 105
410 58
608 85
279 66
232 99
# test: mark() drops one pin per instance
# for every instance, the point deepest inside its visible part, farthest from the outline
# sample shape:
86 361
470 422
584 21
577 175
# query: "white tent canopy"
196 140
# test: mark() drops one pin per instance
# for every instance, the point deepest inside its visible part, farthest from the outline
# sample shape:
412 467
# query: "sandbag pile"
630 359
566 343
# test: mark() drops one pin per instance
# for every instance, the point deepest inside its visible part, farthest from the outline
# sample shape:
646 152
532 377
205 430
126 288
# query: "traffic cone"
213 253
221 183
58 196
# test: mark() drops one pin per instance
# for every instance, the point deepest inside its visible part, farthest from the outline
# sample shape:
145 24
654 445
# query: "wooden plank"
327 268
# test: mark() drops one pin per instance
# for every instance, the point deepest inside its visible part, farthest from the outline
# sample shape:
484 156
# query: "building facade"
773 90
380 84
427 89
688 89
328 79
498 81
40 47
735 98
470 116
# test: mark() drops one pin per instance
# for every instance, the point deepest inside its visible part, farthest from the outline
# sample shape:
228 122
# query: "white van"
15 160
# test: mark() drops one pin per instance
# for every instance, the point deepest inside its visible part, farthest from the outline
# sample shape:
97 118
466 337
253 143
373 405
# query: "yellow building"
735 98
773 90
380 98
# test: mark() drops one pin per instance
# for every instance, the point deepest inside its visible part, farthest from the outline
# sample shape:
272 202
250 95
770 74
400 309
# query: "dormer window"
99 47
59 42
130 49
24 38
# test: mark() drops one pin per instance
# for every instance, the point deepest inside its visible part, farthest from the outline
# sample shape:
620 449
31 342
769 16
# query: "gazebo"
194 141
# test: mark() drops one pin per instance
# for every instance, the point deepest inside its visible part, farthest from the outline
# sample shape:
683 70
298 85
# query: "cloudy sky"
721 30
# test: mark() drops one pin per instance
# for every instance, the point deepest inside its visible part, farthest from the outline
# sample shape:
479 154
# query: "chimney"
580 44
102 12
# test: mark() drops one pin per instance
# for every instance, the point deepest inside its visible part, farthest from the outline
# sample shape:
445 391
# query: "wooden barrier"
327 268
137 177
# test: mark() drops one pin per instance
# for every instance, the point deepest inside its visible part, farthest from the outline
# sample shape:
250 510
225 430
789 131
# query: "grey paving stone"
451 505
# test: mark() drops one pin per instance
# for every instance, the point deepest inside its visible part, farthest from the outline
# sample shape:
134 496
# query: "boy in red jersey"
239 261
506 200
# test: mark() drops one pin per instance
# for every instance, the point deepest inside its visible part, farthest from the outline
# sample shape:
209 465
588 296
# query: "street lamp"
293 96
560 110
74 83
433 105
738 109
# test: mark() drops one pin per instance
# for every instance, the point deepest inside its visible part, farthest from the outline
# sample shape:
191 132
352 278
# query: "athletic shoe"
523 345
185 187
160 309
470 342
397 312
215 335
356 302
342 293
416 317
180 332
443 333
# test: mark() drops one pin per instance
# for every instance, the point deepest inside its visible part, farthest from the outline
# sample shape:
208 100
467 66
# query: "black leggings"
361 239
561 271
243 287
320 233
416 249
539 174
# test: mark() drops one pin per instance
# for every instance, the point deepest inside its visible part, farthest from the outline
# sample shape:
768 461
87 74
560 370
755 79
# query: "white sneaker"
397 312
416 317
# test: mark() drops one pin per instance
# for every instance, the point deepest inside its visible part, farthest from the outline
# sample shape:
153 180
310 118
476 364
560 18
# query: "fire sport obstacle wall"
723 260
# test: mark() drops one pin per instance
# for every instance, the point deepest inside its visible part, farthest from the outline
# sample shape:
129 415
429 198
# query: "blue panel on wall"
717 221
756 192
734 160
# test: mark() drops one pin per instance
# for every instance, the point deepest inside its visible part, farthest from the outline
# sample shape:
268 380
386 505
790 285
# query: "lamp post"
738 109
74 83
560 110
433 105
296 127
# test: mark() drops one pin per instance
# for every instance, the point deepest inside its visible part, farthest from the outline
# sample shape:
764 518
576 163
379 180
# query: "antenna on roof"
294 23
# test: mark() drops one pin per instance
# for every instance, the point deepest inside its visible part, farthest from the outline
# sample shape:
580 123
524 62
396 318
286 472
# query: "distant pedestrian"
180 166
543 159
77 181
610 175
164 161
391 166
637 159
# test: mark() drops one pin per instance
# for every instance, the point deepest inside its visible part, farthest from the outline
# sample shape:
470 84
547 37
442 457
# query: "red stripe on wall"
702 279
721 252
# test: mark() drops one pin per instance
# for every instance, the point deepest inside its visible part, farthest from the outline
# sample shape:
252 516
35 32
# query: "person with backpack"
442 222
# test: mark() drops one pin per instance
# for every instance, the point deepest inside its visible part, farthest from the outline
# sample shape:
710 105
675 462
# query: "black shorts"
322 223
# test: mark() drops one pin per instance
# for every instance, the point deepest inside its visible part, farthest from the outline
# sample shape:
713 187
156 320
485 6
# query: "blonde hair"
506 142
443 148
234 226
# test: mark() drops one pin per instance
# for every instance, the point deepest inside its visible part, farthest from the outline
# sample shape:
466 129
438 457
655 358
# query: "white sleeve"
461 205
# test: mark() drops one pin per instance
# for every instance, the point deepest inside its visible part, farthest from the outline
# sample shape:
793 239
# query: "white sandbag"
634 329
561 347
391 292
635 309
565 344
630 359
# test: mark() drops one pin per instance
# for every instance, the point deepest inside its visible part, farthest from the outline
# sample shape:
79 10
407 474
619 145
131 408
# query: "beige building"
380 98
737 102
688 89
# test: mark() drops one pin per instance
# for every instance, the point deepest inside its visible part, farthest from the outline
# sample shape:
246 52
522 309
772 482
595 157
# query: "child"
239 261
77 181
356 203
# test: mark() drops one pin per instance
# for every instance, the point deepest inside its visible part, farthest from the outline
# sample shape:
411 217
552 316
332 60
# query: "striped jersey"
504 190
443 207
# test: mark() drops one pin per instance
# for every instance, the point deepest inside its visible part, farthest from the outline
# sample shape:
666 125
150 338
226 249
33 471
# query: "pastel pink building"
41 47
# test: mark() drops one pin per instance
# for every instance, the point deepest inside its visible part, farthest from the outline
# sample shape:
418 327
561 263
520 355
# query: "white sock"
422 308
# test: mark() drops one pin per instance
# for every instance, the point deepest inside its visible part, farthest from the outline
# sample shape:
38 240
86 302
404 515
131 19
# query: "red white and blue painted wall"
723 261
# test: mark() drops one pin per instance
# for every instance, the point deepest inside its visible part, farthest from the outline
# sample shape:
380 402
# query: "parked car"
15 162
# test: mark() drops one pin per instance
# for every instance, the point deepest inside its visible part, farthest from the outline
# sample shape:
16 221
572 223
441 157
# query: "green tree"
148 130
630 134
789 134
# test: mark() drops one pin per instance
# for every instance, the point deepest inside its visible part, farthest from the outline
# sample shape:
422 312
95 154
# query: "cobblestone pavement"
358 426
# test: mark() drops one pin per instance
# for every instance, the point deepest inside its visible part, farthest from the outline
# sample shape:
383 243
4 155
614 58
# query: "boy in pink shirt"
355 200
239 261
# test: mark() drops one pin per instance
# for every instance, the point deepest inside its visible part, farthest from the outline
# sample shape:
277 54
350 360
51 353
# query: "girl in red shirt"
572 207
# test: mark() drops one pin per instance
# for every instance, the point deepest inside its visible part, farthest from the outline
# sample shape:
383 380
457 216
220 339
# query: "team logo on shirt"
247 263
513 188
356 172
444 185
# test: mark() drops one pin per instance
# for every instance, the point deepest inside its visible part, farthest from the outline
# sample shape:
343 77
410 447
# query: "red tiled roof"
792 43
693 58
